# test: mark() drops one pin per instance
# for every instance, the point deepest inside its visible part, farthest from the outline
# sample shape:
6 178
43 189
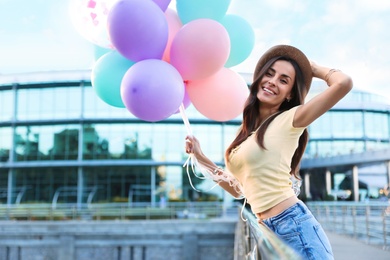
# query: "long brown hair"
251 113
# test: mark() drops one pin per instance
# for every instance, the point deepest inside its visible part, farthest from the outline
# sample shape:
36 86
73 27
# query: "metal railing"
252 241
366 221
107 211
255 242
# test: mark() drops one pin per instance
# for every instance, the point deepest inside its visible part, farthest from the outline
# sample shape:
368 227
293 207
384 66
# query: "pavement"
346 248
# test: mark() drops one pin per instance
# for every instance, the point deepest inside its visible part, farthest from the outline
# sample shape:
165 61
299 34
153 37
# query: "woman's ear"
289 97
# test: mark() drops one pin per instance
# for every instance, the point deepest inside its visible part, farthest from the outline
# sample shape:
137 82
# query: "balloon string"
185 119
186 164
193 163
242 211
191 158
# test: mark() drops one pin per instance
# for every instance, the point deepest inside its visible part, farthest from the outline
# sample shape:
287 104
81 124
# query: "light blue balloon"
189 10
242 38
107 75
99 51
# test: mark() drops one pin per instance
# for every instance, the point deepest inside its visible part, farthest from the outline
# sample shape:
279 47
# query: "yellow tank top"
265 174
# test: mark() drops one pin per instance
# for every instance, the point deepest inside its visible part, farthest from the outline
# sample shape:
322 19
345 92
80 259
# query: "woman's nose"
271 81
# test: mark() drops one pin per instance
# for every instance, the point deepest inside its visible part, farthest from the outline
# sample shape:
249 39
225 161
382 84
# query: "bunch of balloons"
159 59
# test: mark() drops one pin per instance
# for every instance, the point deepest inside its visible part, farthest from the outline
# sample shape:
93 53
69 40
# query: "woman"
271 141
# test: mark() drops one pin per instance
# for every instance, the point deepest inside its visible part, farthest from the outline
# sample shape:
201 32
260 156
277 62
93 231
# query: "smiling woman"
264 157
277 81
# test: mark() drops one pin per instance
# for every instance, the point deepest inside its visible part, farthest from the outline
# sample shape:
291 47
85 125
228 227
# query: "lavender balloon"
163 4
138 29
152 90
186 101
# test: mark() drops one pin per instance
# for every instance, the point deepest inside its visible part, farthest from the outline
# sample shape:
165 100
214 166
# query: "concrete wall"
118 240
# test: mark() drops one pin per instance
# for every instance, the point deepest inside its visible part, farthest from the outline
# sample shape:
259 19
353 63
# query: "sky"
351 35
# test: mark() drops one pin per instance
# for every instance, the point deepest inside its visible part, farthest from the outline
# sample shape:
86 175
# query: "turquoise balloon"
242 38
189 10
107 75
99 51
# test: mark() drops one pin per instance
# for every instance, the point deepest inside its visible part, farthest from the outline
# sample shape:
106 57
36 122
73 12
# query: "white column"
328 182
80 174
306 182
355 183
153 186
80 187
10 187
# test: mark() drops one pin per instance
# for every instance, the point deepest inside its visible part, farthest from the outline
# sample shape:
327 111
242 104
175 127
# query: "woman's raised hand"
192 145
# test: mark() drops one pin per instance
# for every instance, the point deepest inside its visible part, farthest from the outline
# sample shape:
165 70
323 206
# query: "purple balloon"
152 90
138 29
186 101
163 4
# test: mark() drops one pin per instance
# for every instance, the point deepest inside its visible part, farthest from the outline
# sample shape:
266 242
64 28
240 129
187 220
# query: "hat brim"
289 52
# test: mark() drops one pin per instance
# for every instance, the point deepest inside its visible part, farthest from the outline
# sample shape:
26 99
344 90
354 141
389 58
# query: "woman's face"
276 84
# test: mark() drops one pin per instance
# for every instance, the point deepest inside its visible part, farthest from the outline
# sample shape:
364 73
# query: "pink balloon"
220 97
174 25
200 48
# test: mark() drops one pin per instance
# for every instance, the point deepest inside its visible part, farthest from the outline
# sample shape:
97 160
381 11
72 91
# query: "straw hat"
289 52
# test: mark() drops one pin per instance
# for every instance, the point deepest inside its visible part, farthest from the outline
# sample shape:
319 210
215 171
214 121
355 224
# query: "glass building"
60 143
360 122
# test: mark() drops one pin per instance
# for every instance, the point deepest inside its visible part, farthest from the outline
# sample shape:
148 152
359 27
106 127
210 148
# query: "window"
5 143
6 105
377 125
46 142
49 103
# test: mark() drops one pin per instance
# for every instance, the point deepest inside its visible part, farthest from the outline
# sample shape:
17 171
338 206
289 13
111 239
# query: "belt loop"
266 222
302 206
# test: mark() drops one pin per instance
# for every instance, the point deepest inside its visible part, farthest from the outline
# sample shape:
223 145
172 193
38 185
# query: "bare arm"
339 85
193 146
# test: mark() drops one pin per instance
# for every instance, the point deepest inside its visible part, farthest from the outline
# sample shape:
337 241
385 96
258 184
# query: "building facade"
60 143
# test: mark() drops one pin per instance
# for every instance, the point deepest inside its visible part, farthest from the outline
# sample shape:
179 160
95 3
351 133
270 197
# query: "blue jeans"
301 231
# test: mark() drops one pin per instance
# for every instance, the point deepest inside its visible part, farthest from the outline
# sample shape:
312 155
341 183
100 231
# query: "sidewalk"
345 248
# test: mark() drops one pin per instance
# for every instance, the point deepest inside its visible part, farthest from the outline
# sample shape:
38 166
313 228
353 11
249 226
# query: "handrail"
255 242
72 191
68 190
367 221
21 194
18 191
98 211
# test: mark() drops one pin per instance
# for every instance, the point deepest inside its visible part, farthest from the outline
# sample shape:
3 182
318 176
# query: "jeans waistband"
298 207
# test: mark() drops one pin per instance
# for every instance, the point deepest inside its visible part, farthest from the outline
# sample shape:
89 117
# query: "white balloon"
89 17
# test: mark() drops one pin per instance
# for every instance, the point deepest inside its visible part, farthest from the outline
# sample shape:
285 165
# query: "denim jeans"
301 231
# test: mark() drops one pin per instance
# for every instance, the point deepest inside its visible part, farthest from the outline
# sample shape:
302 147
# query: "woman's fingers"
192 144
188 145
